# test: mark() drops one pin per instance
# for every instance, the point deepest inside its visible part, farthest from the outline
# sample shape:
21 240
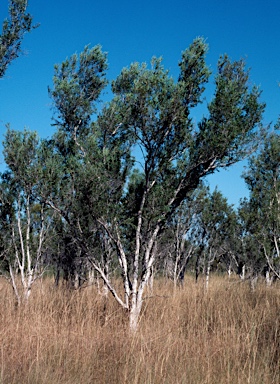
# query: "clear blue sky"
135 31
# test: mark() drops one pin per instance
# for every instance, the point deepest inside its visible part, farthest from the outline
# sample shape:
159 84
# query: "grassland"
229 334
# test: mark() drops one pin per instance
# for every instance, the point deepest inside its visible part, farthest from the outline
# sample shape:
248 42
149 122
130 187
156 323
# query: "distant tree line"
120 191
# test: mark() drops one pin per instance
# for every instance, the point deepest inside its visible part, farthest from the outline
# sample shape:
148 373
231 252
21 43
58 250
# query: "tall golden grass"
229 334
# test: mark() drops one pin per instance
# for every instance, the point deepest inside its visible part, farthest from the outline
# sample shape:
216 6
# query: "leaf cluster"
14 28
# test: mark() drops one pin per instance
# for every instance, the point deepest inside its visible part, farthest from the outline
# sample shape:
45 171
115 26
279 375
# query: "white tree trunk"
268 278
208 267
229 271
243 271
134 315
26 258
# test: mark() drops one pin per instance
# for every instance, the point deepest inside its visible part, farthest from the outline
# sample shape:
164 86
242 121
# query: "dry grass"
228 335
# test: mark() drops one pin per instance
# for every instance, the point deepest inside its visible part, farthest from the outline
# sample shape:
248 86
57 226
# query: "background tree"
180 238
218 237
261 212
14 28
25 218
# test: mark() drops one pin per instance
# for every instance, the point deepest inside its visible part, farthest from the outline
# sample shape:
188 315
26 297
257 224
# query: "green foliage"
13 31
228 134
194 73
261 213
218 222
20 153
157 109
26 222
78 82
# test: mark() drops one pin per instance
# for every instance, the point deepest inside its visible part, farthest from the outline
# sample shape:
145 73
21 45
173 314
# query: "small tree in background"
180 238
261 212
25 218
218 237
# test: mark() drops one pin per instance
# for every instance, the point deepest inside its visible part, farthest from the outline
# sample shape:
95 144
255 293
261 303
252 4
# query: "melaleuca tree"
218 233
176 155
251 258
25 218
150 114
179 240
14 28
261 212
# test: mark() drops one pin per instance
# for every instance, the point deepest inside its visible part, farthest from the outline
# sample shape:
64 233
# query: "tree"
218 237
13 30
149 112
180 240
261 212
25 219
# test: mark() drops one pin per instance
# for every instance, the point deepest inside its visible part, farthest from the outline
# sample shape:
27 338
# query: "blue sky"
135 31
